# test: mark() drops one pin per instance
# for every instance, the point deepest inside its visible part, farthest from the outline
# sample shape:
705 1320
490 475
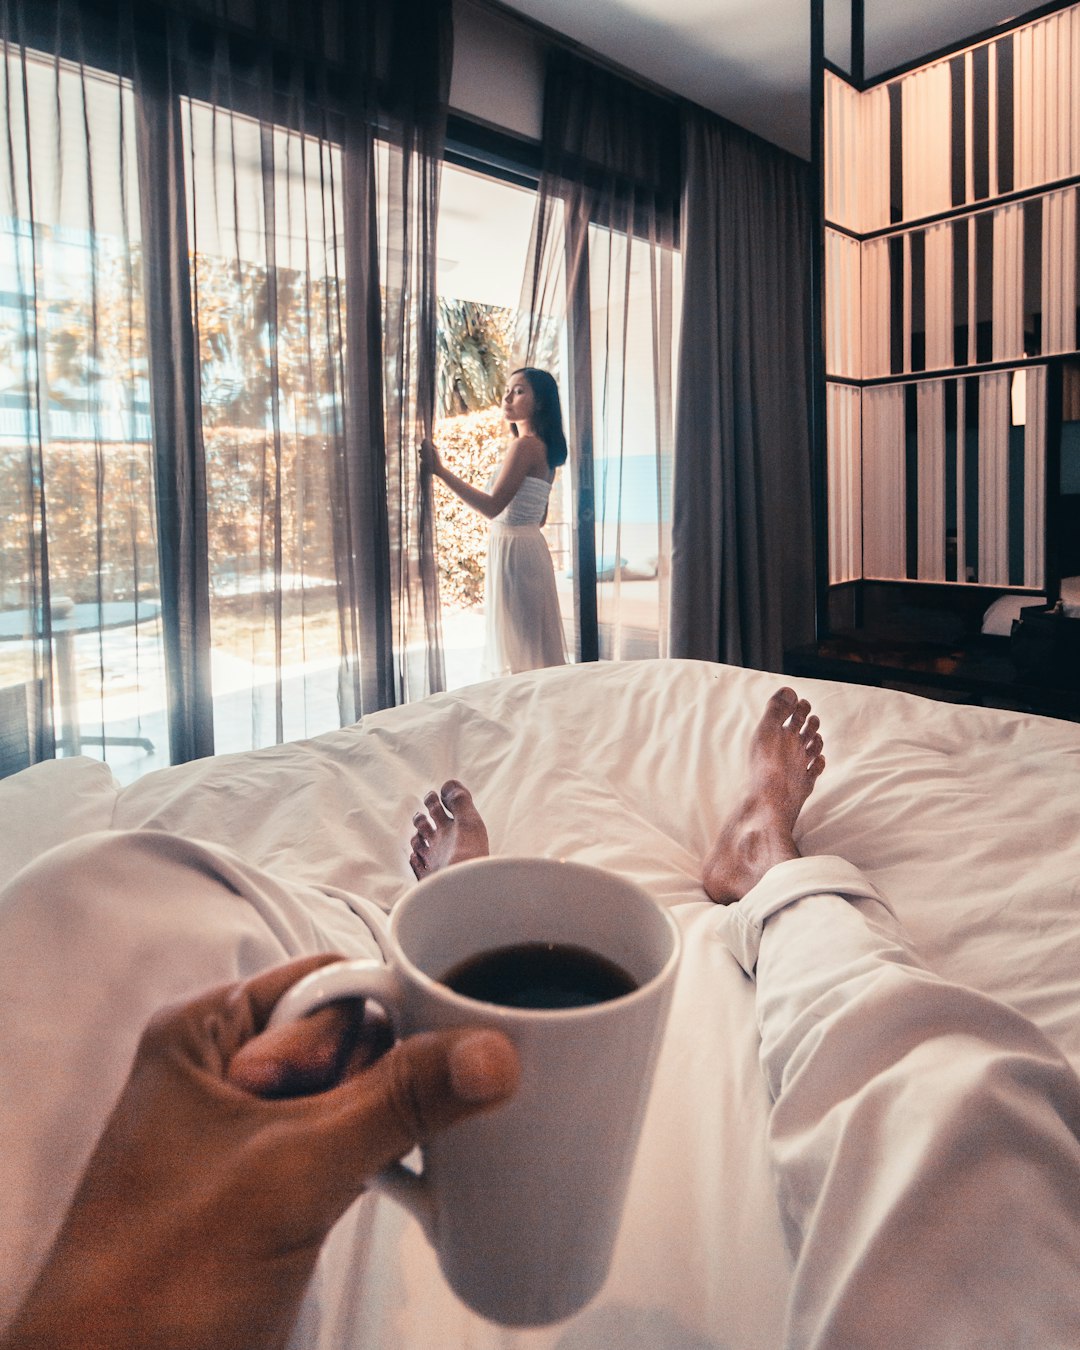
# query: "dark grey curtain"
414 108
173 373
742 547
602 272
219 221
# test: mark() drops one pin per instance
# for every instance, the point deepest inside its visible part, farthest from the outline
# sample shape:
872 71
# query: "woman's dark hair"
548 418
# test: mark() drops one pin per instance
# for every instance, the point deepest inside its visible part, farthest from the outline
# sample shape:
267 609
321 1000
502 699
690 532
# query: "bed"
966 818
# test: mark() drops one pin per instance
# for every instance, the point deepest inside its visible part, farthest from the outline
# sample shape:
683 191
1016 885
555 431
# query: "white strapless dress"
524 626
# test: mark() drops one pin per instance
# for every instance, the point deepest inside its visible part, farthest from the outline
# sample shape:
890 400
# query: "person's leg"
784 763
923 1136
451 832
95 937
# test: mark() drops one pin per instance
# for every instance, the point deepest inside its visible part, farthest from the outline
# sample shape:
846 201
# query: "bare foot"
785 763
451 832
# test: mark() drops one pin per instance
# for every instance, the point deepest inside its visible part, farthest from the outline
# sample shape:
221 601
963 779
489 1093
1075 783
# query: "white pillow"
999 617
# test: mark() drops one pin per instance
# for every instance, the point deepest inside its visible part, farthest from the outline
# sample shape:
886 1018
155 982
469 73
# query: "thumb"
423 1085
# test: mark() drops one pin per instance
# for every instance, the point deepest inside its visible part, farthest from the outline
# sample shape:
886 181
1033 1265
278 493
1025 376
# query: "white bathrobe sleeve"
95 937
923 1136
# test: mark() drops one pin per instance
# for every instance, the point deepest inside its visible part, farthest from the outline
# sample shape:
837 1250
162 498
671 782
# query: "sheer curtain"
601 301
217 324
79 579
742 549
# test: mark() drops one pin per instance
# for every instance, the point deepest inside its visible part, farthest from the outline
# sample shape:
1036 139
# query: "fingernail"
483 1067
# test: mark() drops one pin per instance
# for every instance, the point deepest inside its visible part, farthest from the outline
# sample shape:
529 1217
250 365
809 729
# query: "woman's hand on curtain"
430 460
522 456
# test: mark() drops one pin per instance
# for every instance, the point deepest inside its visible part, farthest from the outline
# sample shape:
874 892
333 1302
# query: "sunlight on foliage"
471 446
473 355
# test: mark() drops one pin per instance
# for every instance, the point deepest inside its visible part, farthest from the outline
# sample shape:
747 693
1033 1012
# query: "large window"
217 270
79 568
76 466
247 539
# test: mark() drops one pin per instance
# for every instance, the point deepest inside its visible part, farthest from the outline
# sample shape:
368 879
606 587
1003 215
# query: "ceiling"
749 59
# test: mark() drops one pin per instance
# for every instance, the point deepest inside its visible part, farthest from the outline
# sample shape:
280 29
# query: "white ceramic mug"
522 1204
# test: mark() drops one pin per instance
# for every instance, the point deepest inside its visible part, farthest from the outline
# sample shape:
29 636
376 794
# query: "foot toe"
434 804
799 715
781 703
455 794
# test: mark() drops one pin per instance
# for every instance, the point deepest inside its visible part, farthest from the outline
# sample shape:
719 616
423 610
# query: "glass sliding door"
635 297
612 503
484 230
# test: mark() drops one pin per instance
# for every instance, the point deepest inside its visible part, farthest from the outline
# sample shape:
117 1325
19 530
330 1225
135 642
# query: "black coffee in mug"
539 975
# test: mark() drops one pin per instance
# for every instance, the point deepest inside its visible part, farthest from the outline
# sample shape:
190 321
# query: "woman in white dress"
524 626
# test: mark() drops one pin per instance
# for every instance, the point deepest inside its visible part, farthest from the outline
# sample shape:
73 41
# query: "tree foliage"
270 356
473 355
471 446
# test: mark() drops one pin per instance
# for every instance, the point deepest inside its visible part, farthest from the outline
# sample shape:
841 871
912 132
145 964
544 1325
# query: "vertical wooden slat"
958 484
931 503
992 118
939 297
994 421
1035 477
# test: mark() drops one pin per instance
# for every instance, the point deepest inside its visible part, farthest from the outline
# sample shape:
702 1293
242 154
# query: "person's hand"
430 460
203 1208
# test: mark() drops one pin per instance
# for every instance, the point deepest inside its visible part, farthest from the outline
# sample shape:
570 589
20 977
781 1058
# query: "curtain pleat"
959 430
26 679
857 155
876 333
1059 278
179 467
927 100
995 410
742 555
78 535
930 504
939 297
1034 550
844 441
1008 283
884 490
422 47
843 337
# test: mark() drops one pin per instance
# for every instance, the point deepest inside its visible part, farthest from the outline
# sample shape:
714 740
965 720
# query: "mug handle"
361 978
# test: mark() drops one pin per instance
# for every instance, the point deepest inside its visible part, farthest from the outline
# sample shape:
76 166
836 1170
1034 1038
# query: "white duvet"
966 818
